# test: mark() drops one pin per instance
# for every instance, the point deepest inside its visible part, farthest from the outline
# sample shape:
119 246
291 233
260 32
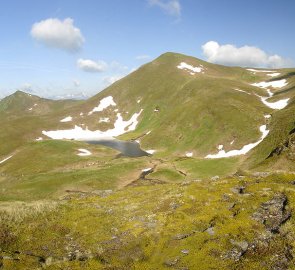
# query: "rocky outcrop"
273 213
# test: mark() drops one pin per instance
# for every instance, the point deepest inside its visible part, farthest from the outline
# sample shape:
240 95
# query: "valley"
182 164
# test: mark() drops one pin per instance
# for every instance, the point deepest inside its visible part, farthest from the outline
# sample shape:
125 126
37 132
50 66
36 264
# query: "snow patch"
81 114
39 139
138 101
103 104
244 150
147 170
149 132
239 90
274 84
189 154
84 152
277 105
78 133
274 74
232 142
5 159
192 70
30 109
267 116
259 70
67 119
220 147
151 151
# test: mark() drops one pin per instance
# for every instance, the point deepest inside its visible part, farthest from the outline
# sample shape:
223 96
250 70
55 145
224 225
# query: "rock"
215 178
231 206
238 190
181 236
273 213
243 245
171 262
210 231
185 251
234 254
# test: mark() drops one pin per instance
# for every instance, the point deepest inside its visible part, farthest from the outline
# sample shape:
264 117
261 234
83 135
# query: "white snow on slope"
242 91
103 104
277 105
190 68
84 152
274 74
80 134
147 170
151 151
67 119
39 139
189 154
274 84
259 70
5 159
244 150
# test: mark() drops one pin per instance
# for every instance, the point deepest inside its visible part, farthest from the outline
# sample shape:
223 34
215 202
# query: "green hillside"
68 204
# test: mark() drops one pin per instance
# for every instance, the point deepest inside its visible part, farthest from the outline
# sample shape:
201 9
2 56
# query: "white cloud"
246 56
58 34
91 66
171 7
142 57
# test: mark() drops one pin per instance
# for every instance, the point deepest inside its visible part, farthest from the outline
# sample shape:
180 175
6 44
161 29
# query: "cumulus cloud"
142 57
171 7
246 56
91 66
58 34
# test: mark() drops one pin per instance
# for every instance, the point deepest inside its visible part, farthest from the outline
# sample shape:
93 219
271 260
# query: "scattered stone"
225 197
185 251
273 213
174 205
231 206
171 262
243 245
238 190
292 182
210 231
215 178
181 236
234 254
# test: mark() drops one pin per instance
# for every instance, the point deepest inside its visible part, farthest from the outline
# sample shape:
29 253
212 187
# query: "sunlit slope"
182 111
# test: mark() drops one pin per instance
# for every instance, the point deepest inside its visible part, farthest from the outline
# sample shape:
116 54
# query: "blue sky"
54 48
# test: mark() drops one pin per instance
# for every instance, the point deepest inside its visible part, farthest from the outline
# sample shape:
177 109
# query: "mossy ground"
142 227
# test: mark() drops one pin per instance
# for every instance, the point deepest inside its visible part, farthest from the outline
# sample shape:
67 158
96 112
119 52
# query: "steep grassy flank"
276 152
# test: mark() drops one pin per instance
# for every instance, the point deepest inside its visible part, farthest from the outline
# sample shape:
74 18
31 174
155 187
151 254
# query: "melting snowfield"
80 134
190 68
274 84
103 104
244 150
84 152
277 105
67 119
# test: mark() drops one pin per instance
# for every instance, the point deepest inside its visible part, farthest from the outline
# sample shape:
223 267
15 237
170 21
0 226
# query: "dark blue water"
128 149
